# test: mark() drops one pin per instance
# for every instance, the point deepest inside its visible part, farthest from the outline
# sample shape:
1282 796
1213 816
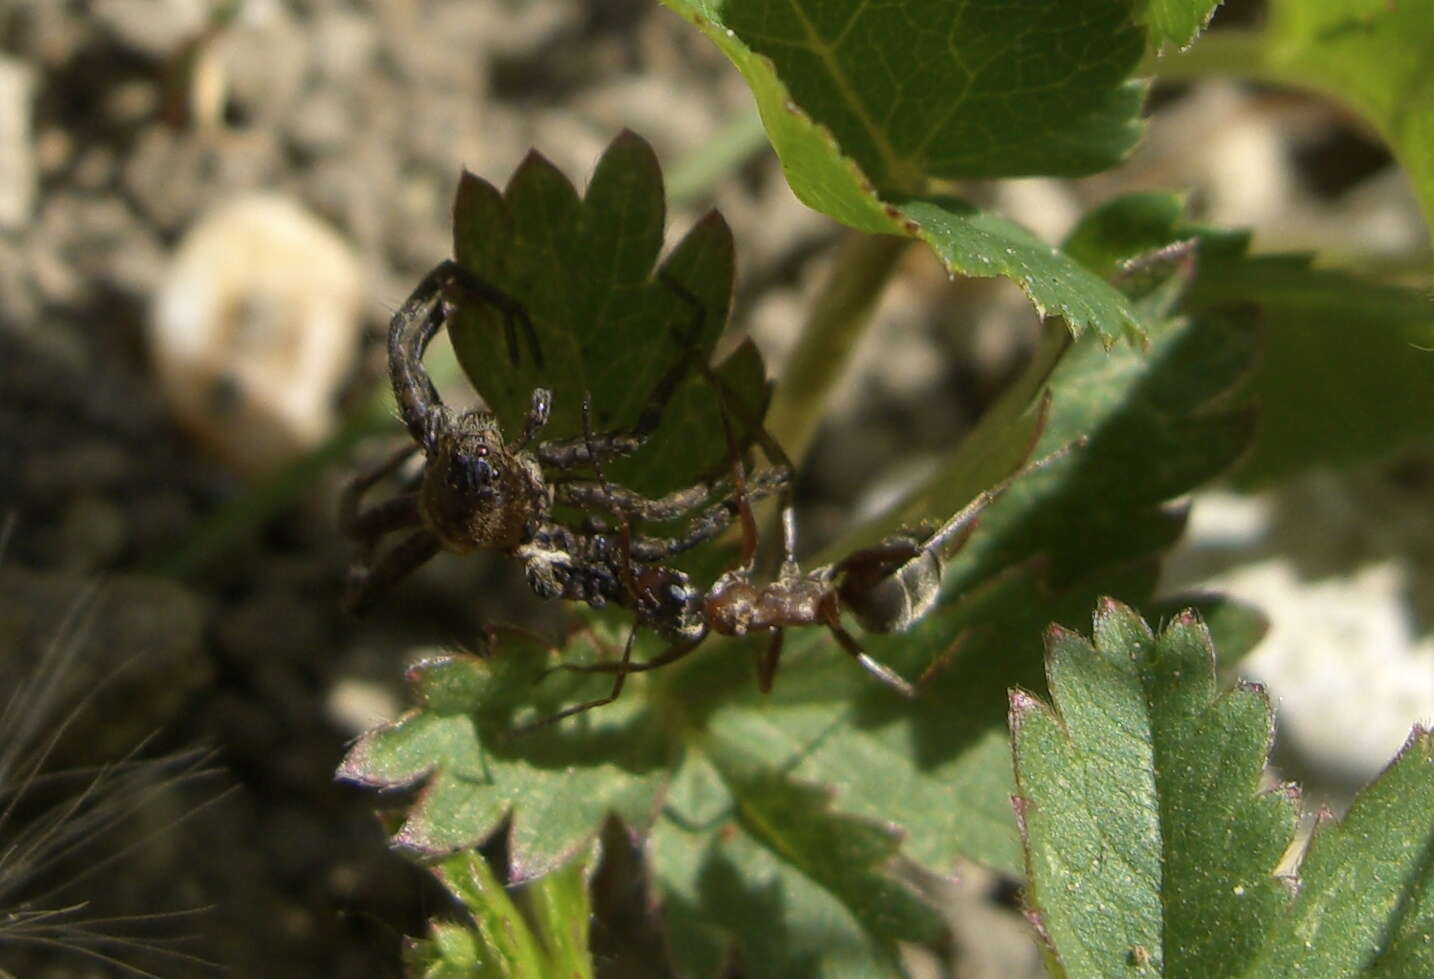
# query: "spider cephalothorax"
478 493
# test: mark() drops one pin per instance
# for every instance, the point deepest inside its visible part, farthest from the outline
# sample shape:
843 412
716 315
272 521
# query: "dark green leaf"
583 268
1148 839
928 88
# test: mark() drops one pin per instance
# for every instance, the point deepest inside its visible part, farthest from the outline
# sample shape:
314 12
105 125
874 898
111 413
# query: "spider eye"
469 474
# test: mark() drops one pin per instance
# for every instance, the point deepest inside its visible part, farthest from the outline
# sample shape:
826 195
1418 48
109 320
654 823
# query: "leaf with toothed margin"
585 268
1150 845
866 104
1366 883
475 774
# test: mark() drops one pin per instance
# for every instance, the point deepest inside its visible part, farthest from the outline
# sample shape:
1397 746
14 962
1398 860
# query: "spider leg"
365 584
831 617
623 502
420 317
515 316
354 522
711 522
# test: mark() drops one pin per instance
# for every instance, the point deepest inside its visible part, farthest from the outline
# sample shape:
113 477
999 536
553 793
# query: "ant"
478 491
888 587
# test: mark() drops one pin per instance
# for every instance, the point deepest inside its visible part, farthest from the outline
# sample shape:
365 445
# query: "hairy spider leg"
367 526
420 317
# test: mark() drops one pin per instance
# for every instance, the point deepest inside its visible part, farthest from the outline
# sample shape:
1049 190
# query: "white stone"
254 326
17 145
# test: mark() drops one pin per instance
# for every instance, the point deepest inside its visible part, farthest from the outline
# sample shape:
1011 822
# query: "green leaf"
1346 361
583 269
973 243
1347 371
1372 55
866 103
475 773
1148 839
1235 628
761 886
927 88
1176 22
1366 884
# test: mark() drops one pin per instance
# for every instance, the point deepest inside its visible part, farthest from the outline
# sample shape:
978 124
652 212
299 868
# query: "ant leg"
671 654
364 584
831 617
767 662
620 668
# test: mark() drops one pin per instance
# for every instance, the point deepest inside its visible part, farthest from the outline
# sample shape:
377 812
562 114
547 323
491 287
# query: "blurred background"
209 209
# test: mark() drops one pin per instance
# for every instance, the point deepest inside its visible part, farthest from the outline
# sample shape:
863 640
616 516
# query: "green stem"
693 177
853 286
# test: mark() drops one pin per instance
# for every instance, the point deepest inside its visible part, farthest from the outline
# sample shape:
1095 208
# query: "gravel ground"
143 386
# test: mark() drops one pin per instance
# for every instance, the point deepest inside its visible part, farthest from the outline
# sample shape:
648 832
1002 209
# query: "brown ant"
478 491
888 587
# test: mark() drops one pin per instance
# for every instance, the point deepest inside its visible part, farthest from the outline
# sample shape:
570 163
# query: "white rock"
1341 661
17 145
355 705
254 326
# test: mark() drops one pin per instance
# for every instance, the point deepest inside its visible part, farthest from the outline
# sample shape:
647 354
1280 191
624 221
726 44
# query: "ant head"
669 602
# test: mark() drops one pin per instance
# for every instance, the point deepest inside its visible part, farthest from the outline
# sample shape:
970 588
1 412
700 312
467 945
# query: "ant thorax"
476 494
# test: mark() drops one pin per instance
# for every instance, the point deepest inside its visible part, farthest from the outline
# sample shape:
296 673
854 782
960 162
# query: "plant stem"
695 175
853 286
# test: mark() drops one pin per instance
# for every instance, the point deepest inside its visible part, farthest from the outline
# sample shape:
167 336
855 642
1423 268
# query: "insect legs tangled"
480 491
888 587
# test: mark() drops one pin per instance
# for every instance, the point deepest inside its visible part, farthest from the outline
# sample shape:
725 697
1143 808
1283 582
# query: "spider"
888 587
478 491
